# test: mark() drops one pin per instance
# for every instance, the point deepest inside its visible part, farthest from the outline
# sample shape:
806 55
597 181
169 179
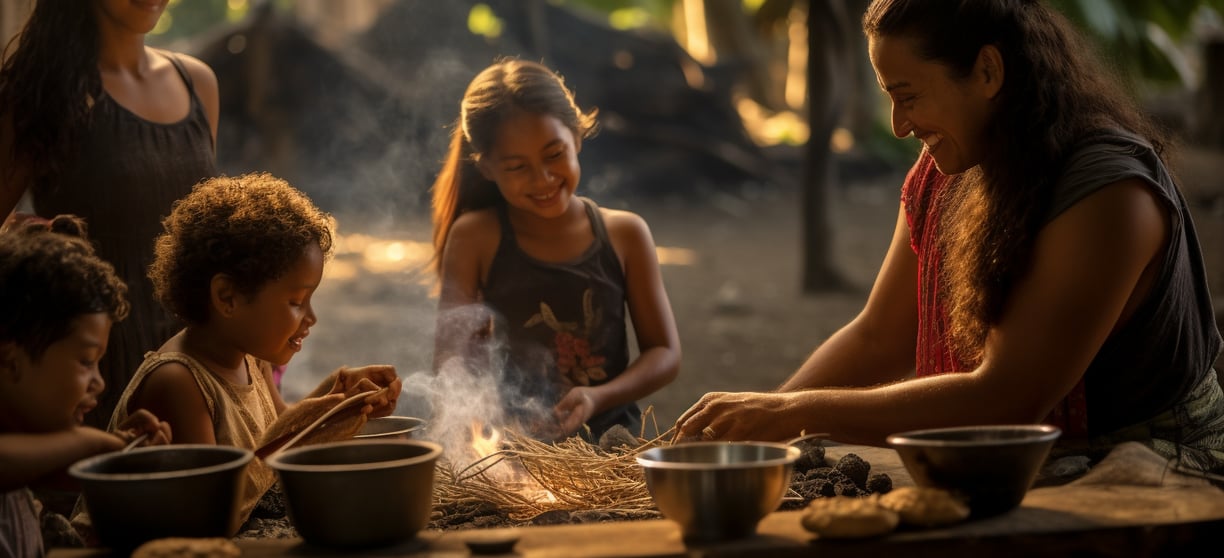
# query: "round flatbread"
844 517
182 547
925 507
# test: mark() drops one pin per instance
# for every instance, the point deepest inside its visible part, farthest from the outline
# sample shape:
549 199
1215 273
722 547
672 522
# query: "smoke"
473 386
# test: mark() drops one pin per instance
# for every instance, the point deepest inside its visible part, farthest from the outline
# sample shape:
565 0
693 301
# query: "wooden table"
1126 506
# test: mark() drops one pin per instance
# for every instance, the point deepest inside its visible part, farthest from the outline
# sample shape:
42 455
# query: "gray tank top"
1169 345
126 174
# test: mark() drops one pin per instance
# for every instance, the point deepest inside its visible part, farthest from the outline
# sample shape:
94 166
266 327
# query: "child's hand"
378 377
143 422
574 409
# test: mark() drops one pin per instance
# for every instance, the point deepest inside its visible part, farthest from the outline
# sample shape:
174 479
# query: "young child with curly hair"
59 302
238 262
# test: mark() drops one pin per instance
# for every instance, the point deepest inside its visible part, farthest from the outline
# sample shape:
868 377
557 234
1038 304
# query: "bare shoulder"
625 226
170 384
168 377
474 235
478 225
629 233
201 74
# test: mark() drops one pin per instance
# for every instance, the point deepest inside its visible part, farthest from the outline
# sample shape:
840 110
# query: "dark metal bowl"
991 467
390 427
359 493
184 490
718 490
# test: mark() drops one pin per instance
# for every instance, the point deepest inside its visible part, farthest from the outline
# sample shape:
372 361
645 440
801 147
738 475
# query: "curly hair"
251 228
49 276
1055 93
48 84
506 86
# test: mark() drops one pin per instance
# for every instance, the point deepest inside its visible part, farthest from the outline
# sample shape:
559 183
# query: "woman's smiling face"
949 115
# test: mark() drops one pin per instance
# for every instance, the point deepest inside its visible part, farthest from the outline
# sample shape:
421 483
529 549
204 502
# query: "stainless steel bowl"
991 467
358 493
390 427
183 490
718 490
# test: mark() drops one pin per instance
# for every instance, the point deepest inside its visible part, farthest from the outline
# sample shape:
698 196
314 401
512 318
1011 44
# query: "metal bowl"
184 490
358 493
718 490
991 467
390 427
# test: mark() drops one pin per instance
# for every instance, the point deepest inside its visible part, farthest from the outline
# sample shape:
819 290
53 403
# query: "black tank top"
126 174
563 324
1171 342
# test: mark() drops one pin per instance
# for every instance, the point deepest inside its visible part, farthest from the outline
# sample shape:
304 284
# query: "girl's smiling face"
273 324
949 115
55 391
534 161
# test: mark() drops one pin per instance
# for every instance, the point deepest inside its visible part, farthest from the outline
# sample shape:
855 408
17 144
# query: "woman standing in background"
95 123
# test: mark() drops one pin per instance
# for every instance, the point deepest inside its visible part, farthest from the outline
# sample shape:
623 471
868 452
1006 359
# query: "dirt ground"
731 266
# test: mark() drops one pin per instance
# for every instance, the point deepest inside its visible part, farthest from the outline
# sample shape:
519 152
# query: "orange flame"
484 445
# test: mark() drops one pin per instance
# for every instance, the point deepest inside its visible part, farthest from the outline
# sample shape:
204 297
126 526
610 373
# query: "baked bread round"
844 517
924 506
184 547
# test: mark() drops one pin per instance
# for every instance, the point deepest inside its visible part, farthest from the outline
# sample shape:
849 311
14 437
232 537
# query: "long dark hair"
48 83
1055 92
506 86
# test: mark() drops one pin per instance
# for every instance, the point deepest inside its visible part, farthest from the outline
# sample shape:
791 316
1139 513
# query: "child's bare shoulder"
167 379
624 224
476 225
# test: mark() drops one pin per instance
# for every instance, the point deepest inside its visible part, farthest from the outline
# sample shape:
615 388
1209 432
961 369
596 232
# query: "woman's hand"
143 422
739 416
574 409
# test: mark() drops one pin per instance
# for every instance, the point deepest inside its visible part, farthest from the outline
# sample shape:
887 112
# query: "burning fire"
484 445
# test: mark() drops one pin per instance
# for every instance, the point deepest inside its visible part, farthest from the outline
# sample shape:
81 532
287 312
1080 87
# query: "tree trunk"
828 55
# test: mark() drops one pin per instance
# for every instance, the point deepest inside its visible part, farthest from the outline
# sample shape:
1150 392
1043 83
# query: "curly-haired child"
238 262
59 302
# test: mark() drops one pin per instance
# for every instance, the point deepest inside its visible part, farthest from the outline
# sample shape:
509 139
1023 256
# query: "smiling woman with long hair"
1044 267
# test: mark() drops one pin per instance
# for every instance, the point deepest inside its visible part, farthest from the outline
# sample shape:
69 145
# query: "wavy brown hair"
49 276
251 227
1055 92
48 83
507 86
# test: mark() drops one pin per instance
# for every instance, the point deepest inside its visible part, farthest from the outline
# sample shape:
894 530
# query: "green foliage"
1140 37
627 14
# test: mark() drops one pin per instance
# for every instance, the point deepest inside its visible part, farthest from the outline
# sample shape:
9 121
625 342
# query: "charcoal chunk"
855 468
879 483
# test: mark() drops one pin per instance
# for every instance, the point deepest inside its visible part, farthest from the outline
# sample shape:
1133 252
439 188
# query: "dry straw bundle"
579 476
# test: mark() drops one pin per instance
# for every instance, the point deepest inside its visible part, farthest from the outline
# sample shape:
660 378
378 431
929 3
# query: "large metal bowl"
991 467
718 490
358 493
390 427
184 490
